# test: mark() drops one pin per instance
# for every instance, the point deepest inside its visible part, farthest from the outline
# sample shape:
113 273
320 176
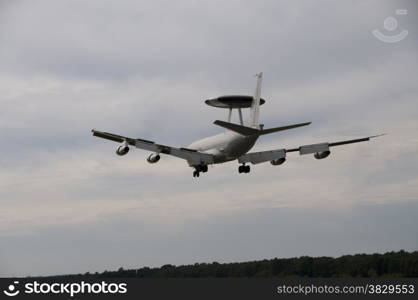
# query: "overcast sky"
68 204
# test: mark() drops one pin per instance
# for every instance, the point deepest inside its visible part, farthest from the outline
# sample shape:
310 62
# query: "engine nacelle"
153 158
321 155
278 161
122 150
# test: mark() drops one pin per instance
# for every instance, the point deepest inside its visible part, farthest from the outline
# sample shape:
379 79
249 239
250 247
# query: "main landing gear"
244 169
198 169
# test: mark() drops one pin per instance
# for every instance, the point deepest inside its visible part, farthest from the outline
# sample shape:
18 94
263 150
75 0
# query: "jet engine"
122 150
321 155
153 158
279 161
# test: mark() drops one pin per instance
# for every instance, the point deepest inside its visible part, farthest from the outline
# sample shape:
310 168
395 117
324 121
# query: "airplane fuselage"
225 146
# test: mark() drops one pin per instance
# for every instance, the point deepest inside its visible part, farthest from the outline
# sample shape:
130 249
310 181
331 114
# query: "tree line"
390 264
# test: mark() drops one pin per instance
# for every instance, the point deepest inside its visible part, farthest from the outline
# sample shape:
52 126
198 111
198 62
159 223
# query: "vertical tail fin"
255 106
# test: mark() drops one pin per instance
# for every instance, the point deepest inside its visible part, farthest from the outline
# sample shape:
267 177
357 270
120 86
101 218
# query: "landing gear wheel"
240 169
198 169
244 169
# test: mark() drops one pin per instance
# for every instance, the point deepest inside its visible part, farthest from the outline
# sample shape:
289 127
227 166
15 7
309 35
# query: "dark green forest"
390 264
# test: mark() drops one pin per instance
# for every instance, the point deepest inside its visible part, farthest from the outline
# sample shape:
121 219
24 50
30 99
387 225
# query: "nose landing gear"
244 169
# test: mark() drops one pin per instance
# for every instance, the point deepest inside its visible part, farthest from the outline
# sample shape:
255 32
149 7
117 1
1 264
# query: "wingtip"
378 135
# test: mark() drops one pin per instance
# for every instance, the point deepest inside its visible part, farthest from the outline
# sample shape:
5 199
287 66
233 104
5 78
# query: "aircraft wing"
193 157
264 156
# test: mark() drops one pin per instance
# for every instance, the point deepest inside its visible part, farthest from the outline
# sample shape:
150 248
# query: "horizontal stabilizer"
247 131
271 130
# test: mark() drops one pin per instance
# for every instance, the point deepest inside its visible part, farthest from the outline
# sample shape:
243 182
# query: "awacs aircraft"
233 144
